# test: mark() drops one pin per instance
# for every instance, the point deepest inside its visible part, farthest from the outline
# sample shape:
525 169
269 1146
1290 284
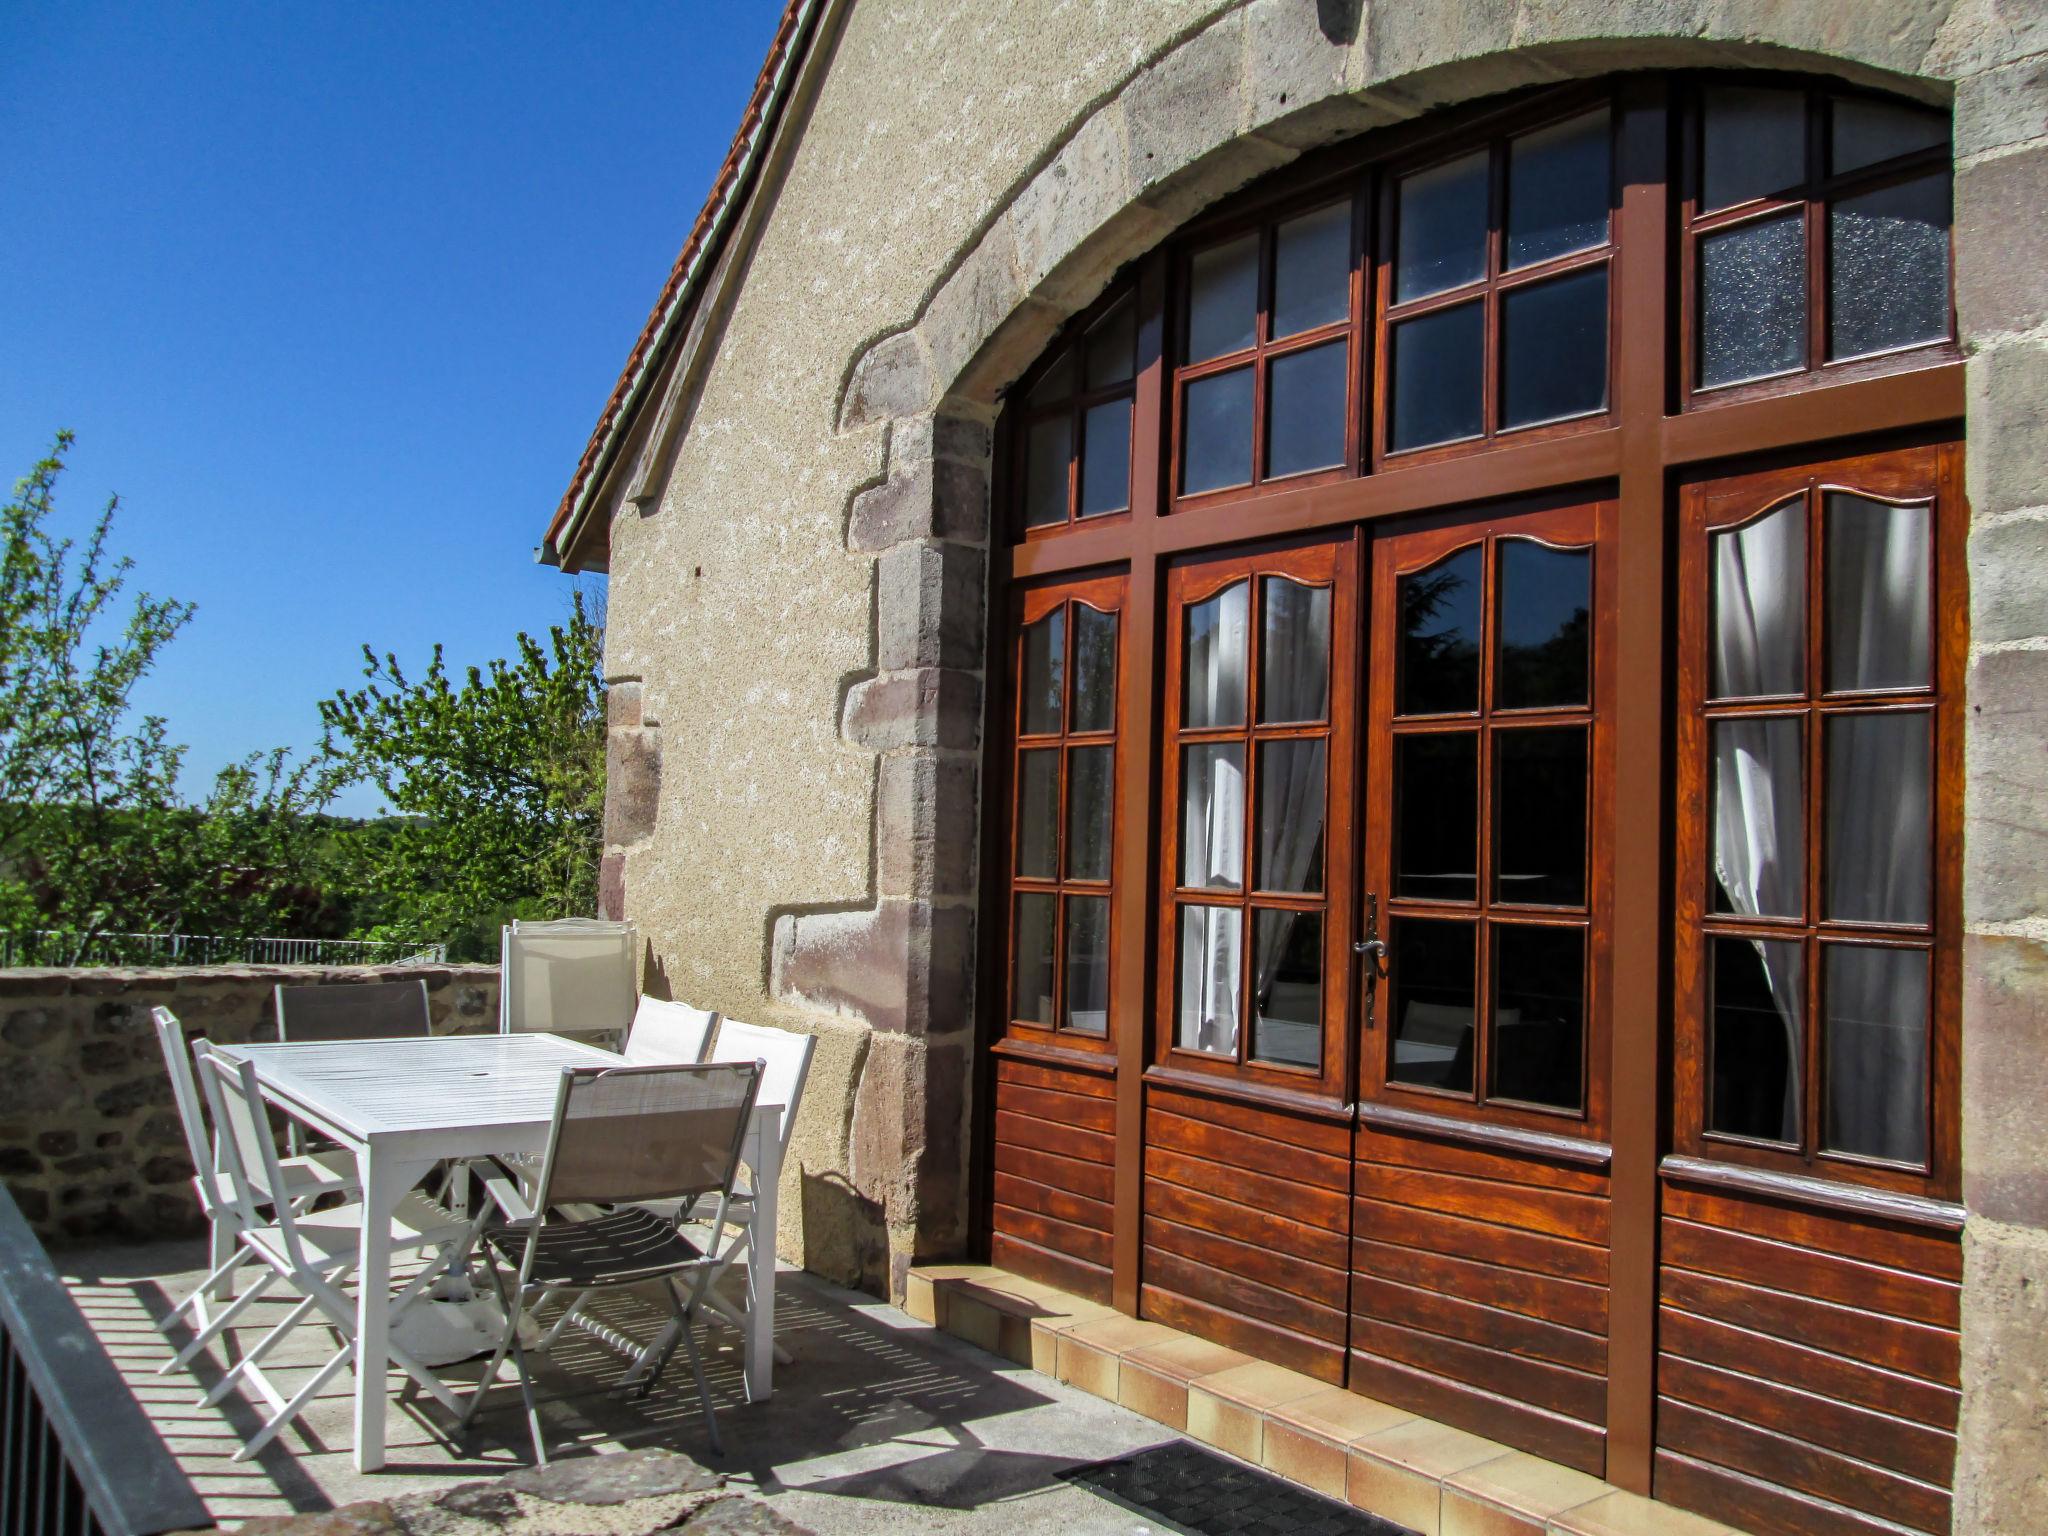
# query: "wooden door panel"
1053 1175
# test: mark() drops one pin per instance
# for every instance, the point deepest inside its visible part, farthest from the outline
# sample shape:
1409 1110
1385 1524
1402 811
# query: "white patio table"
404 1105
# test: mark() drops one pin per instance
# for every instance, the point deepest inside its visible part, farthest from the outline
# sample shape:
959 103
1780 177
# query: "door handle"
1374 949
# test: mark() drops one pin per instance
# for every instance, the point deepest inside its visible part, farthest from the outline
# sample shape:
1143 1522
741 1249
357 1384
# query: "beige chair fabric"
573 977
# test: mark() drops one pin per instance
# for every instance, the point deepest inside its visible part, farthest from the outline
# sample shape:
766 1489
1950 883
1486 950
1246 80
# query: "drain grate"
1189 1489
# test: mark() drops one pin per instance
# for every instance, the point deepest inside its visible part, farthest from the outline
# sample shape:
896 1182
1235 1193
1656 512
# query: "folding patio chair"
305 1179
375 1010
311 1251
665 1033
575 976
620 1135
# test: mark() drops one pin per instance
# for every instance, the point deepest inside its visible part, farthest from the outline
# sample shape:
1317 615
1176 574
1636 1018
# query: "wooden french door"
1480 1220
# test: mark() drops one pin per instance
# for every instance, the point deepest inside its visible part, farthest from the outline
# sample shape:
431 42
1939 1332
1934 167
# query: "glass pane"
1087 965
1438 379
1554 349
1545 625
1056 383
1759 606
1223 298
1090 774
1305 399
1759 811
1436 816
1879 588
1758 1040
1291 803
1294 651
1216 432
1038 814
1217 635
1440 636
1211 947
1032 975
1879 818
1106 458
1312 270
1442 242
1539 816
1875 1035
1888 260
1287 988
1045 471
1539 1013
1754 145
1752 301
1558 190
1431 969
1212 815
1864 132
1111 345
1094 669
1045 657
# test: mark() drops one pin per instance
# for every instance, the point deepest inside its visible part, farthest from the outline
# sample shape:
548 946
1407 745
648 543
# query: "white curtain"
1213 690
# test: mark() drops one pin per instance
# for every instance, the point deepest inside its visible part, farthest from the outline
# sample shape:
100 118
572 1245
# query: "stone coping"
1430 1477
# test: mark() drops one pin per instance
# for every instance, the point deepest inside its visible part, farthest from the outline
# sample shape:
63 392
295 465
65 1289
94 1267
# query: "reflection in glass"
1223 298
1874 1009
1111 344
1888 267
1539 815
1879 824
1216 638
1442 240
1557 190
1539 1014
1758 1038
1106 458
1544 623
1051 445
1759 816
1312 270
1864 131
1294 651
1090 772
1055 384
1045 655
1211 949
1755 145
1094 669
1031 976
1291 803
1439 662
1752 301
1759 606
1438 372
1216 432
1087 965
1436 816
1879 588
1038 814
1287 988
1432 969
1212 815
1554 349
1305 398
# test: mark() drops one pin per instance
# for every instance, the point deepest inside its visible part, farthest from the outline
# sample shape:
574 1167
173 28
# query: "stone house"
1375 671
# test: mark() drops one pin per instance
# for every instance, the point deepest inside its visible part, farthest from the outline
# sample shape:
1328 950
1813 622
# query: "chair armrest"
505 1194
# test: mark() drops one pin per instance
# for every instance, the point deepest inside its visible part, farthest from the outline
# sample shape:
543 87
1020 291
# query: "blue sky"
332 295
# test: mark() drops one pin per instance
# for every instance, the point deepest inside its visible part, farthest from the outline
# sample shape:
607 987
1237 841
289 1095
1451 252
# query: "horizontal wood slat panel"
1095 1180
1441 1156
1903 1446
1757 1506
1031 1074
1084 1243
1315 1283
1241 1149
1813 1370
1325 1208
1330 1138
1826 1277
1567 1302
1227 1326
1912 1249
1915 1348
1064 1140
1796 1464
1583 1218
1056 1108
1053 1181
1412 1227
1549 1435
1078 1210
1478 1324
1220 1288
1575 1394
1231 1218
1072 1275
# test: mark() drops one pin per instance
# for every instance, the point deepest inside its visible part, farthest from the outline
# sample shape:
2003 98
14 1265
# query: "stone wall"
90 1144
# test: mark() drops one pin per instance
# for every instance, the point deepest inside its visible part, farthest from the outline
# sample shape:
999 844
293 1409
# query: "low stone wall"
90 1144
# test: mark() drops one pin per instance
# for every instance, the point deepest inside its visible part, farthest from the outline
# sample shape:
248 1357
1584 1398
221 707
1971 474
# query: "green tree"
498 779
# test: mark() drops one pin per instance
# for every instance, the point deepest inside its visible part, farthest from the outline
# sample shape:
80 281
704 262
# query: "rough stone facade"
801 607
90 1144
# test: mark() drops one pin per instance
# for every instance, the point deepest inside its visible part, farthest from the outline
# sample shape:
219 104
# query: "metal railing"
20 947
78 1457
